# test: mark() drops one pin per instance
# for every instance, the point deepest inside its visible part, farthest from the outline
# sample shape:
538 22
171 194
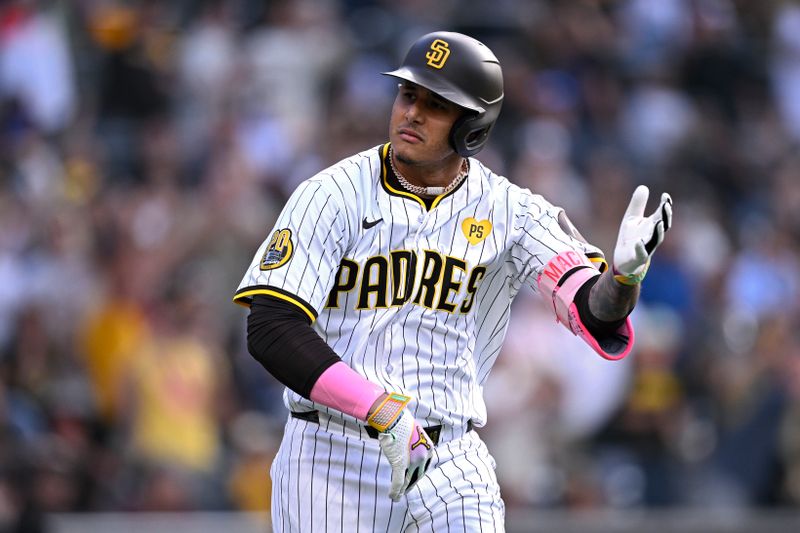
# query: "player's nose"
414 112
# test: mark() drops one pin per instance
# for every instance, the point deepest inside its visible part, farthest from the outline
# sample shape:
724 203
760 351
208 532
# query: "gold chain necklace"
429 191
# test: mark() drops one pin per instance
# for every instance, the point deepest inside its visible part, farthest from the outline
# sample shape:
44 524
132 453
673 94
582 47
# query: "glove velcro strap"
388 412
561 279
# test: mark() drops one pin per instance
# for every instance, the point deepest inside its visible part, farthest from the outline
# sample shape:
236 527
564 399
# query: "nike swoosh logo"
370 223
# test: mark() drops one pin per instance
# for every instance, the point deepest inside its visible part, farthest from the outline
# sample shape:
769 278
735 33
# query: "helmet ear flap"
470 133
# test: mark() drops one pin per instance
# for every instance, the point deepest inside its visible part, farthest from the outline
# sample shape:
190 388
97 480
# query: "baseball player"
382 296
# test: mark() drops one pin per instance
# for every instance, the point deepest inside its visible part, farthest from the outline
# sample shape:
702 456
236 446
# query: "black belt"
432 431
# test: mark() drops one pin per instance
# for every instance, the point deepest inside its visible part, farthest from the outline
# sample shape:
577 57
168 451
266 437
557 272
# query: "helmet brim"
438 85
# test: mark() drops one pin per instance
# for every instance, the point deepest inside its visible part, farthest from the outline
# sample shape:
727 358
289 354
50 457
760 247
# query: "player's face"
420 125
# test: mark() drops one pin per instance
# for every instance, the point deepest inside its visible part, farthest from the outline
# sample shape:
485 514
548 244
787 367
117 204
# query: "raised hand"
639 236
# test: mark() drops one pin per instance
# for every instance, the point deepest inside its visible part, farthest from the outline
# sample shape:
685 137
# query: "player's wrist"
389 408
633 278
378 401
342 388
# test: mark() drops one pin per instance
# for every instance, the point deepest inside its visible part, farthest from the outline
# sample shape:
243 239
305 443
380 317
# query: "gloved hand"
639 236
404 443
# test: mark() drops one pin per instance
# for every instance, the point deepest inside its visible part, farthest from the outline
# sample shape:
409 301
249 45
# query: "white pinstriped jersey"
414 299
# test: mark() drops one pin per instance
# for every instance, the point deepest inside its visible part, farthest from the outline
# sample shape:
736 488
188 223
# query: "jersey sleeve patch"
279 250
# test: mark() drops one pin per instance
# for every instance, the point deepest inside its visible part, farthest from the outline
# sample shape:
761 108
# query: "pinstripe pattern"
437 347
330 479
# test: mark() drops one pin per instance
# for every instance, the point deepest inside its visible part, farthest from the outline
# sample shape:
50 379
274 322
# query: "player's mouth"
410 135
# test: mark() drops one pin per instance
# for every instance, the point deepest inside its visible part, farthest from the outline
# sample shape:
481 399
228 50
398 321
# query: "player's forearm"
345 390
280 337
282 340
610 300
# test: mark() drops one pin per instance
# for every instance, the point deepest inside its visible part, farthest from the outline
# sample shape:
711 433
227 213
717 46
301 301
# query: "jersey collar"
392 185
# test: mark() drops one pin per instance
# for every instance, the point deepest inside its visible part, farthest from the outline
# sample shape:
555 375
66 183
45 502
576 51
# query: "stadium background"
146 147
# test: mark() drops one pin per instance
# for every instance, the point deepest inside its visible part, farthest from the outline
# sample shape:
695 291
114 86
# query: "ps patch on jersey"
279 250
475 231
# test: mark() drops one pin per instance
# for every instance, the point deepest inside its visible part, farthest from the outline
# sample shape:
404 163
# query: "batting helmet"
461 70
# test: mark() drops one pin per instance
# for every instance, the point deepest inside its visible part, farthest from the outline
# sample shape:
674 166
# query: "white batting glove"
639 236
404 443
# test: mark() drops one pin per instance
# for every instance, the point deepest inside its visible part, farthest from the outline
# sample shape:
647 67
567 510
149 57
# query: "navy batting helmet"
461 70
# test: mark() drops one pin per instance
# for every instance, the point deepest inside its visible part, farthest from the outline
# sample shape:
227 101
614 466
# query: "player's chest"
435 259
470 235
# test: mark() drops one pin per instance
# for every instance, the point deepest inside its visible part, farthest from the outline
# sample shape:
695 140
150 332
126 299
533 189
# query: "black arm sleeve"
280 337
600 329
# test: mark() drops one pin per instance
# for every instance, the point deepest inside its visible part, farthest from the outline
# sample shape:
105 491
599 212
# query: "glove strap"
388 412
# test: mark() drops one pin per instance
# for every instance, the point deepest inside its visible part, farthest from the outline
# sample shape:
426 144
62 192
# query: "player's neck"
438 178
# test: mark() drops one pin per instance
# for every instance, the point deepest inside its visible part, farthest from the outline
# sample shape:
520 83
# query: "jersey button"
389 368
421 219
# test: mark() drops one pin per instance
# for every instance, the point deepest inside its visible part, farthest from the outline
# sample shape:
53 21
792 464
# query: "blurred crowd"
146 148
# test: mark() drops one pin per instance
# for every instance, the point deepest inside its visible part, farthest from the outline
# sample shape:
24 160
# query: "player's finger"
638 202
666 208
412 478
664 211
640 252
655 240
398 479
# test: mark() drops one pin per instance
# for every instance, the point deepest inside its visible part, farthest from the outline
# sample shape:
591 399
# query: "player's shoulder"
351 174
343 187
504 190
